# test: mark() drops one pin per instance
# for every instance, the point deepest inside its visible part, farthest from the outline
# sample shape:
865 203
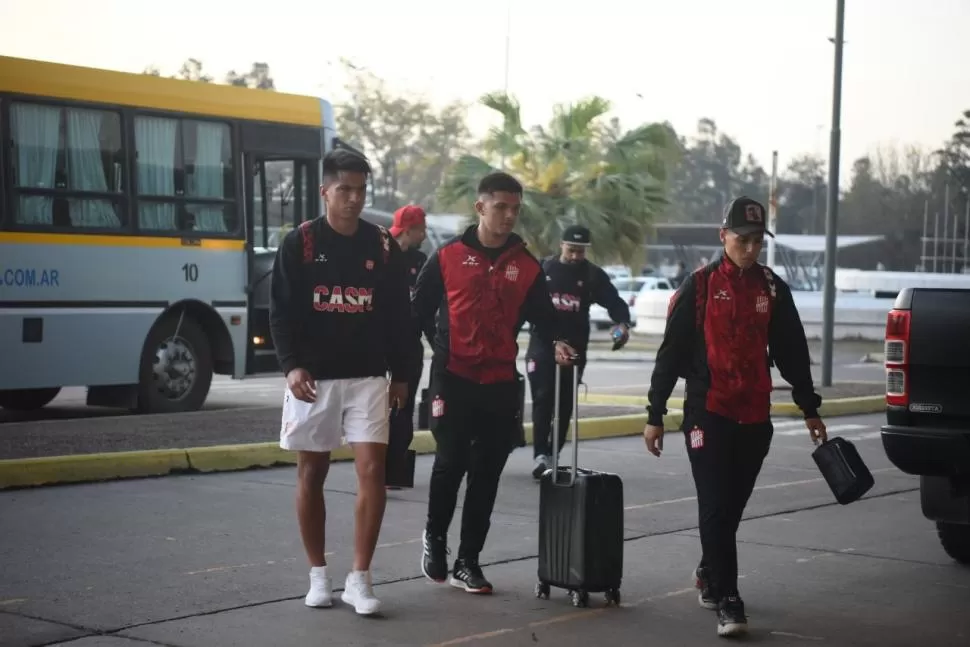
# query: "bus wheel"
27 399
176 367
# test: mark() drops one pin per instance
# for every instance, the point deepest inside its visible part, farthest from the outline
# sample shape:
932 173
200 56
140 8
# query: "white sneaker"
321 588
359 593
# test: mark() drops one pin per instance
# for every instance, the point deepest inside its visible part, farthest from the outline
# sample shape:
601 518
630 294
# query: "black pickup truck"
927 430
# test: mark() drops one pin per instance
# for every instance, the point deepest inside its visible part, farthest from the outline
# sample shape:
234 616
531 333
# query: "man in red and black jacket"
725 324
472 297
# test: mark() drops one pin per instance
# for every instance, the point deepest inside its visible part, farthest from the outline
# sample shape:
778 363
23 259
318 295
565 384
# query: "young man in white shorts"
340 318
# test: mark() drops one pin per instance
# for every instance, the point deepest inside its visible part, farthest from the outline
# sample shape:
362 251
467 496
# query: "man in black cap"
720 323
574 284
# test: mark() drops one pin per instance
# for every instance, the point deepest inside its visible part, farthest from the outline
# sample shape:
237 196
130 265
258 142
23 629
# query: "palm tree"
577 169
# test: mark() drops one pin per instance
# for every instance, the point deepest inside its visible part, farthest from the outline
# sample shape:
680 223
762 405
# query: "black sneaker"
434 558
731 620
539 466
467 575
702 581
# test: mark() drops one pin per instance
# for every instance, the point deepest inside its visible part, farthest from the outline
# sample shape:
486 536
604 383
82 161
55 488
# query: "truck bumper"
927 451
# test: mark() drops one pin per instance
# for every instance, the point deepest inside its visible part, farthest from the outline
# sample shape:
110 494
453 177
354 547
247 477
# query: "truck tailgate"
939 352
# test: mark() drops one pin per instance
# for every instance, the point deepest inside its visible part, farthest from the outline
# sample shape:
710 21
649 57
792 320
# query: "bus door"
280 194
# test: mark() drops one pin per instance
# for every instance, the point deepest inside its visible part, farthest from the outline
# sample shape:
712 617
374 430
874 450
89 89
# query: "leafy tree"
713 171
409 142
801 196
579 168
259 76
191 70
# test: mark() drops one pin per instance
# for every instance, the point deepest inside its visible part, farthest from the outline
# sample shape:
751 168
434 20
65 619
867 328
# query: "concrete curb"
85 468
854 406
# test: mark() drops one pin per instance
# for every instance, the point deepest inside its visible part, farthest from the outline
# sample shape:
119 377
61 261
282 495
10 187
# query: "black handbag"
399 470
423 420
520 413
843 469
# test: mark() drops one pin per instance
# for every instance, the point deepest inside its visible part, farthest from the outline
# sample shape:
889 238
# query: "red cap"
405 218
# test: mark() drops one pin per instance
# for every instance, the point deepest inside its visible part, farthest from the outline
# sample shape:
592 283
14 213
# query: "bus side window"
185 180
66 166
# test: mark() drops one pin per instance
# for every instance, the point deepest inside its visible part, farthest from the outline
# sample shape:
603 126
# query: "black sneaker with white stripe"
467 575
434 557
731 620
702 581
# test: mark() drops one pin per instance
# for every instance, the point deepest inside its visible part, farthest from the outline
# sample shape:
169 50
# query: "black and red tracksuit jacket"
339 304
725 327
471 302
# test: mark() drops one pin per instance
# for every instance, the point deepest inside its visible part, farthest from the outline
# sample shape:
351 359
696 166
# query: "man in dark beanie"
574 285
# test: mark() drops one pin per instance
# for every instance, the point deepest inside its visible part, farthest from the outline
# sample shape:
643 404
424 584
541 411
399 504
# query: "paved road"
248 411
602 376
214 560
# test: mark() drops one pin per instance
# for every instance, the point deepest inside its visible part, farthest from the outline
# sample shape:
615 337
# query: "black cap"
576 235
745 216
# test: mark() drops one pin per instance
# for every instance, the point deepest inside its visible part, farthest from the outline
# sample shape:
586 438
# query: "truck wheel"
176 370
955 538
27 399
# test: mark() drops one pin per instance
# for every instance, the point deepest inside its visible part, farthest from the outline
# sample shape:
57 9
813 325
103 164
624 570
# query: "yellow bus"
138 220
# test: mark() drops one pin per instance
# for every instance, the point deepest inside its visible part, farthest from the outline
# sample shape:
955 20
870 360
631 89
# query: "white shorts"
355 409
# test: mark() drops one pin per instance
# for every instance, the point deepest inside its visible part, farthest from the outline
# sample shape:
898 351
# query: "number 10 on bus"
191 271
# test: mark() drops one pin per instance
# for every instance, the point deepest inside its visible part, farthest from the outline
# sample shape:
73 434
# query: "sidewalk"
216 561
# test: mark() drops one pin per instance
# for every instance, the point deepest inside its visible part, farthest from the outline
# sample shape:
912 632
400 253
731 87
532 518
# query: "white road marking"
791 635
834 429
803 560
563 617
768 486
234 567
869 435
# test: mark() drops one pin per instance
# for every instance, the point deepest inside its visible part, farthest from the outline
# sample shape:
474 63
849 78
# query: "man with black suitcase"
574 285
720 323
472 297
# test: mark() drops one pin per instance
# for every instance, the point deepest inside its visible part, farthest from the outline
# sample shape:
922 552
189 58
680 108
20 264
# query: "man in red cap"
409 229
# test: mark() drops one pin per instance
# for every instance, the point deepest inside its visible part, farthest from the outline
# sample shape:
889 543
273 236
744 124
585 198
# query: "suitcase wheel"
542 591
579 598
613 597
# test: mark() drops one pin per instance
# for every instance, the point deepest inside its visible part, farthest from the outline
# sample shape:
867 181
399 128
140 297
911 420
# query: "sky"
762 69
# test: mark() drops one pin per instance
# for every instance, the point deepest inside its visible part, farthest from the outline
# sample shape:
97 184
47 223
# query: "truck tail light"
897 358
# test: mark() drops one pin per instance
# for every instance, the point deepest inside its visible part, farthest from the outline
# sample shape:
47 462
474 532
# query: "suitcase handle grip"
574 426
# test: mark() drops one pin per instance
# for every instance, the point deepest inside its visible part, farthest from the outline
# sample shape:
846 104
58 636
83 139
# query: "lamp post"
773 208
508 46
832 210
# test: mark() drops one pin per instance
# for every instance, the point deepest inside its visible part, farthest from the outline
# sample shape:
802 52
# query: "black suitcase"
580 524
843 469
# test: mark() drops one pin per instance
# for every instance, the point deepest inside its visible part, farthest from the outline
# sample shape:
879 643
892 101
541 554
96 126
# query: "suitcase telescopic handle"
575 425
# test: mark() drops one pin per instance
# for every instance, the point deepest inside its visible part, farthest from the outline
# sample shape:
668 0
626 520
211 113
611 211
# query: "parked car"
617 271
629 288
927 430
